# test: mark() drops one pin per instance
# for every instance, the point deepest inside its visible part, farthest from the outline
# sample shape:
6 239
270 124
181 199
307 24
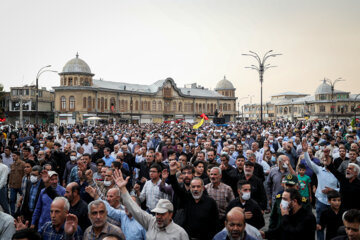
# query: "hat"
163 206
52 173
290 179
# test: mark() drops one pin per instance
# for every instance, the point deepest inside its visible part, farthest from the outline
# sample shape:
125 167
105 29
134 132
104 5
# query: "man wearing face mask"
252 210
297 222
68 167
31 193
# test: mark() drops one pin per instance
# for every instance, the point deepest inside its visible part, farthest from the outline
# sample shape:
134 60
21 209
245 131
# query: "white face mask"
246 196
95 150
41 145
72 158
285 166
28 144
33 179
107 183
284 204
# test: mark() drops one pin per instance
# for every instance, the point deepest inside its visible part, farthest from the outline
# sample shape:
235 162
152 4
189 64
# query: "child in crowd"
331 219
304 183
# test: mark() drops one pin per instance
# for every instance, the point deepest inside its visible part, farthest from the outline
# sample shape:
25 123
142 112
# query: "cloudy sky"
141 41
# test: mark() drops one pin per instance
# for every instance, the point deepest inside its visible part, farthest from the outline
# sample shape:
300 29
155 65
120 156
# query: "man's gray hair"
37 168
219 169
356 167
95 203
66 202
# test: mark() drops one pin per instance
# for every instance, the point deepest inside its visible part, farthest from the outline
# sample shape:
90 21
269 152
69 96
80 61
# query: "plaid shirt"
222 195
107 229
49 233
32 195
24 181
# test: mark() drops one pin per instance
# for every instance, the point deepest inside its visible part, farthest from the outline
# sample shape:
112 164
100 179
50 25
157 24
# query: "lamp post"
261 68
41 71
332 85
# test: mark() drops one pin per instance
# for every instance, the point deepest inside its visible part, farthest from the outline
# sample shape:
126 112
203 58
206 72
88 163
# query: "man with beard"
352 159
47 195
342 157
100 227
349 186
235 227
297 222
59 158
200 210
78 207
351 221
159 226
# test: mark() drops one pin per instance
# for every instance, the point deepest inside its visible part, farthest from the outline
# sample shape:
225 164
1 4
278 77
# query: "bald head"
235 223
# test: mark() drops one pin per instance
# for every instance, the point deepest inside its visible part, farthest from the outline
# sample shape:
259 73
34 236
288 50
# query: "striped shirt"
222 195
107 229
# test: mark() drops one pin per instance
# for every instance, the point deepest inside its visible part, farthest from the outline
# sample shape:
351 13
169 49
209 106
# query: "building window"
159 106
63 103
154 105
167 92
98 103
122 105
225 107
89 103
72 103
102 104
174 106
126 106
84 102
93 103
112 104
136 105
322 108
229 107
180 106
322 97
106 102
70 82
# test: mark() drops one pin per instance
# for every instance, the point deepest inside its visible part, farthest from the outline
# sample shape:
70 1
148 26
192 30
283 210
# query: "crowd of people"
170 181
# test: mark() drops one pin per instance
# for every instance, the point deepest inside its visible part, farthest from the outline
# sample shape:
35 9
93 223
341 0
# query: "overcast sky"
189 40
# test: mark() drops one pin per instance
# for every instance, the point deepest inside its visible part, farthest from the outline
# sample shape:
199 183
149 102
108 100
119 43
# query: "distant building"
324 104
27 95
80 96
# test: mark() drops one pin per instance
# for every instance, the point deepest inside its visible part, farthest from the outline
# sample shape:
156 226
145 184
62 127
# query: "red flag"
204 116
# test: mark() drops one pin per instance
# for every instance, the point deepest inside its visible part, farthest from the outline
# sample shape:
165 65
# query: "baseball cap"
52 173
290 179
163 206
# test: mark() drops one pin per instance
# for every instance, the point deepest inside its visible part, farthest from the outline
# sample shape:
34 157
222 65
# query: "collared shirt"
151 192
24 181
107 229
7 160
131 228
48 232
74 177
108 160
32 195
88 148
115 221
325 179
274 181
222 194
16 174
170 232
7 226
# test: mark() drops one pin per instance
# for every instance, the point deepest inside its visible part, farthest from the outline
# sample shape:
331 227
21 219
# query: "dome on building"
77 65
324 88
224 84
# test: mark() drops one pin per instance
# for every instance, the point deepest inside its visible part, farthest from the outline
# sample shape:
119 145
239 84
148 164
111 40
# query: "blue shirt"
130 227
325 179
49 233
42 209
108 160
32 195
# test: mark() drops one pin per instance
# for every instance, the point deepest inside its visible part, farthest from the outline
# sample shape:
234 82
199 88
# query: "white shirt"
151 192
88 148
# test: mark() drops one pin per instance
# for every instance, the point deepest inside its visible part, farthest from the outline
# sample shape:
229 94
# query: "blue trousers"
13 198
4 202
320 207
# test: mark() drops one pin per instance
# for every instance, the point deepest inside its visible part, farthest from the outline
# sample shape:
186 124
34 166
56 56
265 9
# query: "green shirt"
304 185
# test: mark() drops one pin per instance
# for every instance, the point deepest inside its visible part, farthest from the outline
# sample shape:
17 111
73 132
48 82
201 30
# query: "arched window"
224 107
159 106
102 104
106 102
136 105
197 107
75 81
126 106
204 107
180 106
122 105
98 103
200 107
229 107
154 105
84 102
112 104
212 108
71 103
70 82
174 106
89 103
322 108
63 103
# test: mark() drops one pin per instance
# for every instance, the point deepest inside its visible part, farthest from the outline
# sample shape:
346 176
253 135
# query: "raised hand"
119 179
304 145
19 224
89 174
45 177
91 191
173 167
71 224
164 174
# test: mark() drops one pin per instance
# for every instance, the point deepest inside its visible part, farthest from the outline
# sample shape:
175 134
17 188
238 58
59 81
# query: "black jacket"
299 226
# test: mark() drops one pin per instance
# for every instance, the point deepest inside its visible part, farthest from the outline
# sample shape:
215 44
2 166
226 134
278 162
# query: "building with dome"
324 104
81 96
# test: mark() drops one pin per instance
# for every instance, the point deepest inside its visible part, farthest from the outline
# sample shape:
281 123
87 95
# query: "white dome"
77 65
224 84
324 88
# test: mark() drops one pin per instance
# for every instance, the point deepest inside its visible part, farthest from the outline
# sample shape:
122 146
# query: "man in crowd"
15 179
